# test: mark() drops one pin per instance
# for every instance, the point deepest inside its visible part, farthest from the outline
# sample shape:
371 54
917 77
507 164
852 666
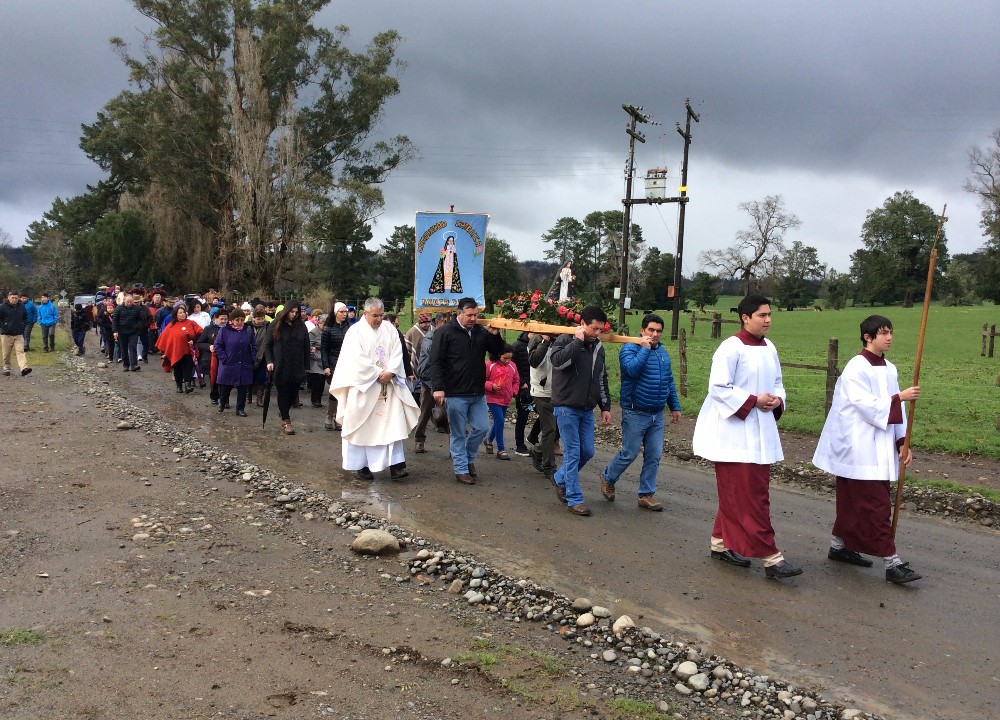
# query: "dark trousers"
316 383
288 394
128 347
520 421
184 371
546 446
108 338
49 337
426 405
79 336
241 395
27 334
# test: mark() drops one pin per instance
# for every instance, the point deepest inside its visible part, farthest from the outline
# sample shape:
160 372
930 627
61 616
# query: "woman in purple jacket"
236 352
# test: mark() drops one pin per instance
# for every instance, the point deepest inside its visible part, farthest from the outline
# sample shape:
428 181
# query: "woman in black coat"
286 349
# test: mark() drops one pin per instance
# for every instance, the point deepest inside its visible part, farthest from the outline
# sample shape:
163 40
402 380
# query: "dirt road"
238 612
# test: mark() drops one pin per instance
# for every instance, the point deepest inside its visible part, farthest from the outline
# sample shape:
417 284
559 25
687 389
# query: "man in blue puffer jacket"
48 318
647 386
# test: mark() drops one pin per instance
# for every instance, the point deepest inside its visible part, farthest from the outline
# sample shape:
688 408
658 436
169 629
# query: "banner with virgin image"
449 259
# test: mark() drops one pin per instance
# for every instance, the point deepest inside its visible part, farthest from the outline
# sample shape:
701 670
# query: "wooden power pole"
678 278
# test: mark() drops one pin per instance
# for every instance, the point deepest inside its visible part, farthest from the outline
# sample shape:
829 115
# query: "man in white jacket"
737 429
861 445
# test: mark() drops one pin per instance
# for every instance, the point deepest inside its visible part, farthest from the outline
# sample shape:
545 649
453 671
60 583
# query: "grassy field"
959 407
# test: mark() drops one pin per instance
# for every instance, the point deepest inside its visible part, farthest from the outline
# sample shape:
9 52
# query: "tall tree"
501 271
758 246
798 274
898 237
10 278
984 166
343 262
704 290
247 117
654 276
604 228
394 266
837 289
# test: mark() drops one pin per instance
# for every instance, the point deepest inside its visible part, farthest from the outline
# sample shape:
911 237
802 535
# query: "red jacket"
174 341
505 375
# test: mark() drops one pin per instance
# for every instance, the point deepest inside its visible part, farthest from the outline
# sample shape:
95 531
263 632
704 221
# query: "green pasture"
959 406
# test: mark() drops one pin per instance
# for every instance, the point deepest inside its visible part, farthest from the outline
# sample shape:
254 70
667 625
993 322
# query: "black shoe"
782 570
365 474
189 388
221 407
136 368
522 451
472 471
732 558
126 368
215 401
328 425
398 472
26 371
180 389
317 405
241 413
7 373
536 461
848 556
900 574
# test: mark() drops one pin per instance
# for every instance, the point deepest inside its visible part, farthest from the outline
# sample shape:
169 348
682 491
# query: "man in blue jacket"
647 386
48 318
31 311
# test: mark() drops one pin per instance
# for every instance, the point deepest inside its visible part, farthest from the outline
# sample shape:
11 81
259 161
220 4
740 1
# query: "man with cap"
330 342
12 320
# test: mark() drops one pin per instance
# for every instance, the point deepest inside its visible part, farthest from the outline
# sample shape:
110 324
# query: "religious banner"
449 259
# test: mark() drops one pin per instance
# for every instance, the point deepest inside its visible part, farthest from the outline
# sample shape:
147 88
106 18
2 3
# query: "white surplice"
857 441
376 418
739 371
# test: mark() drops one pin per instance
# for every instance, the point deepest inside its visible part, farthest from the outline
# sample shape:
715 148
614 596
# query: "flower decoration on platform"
532 306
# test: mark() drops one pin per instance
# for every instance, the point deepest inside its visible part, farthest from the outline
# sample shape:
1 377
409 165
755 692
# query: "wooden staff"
545 328
916 371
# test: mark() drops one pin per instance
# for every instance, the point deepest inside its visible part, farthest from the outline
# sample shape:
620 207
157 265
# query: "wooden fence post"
716 326
682 353
982 353
993 335
693 318
831 372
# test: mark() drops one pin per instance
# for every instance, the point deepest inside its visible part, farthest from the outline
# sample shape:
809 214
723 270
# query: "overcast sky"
515 109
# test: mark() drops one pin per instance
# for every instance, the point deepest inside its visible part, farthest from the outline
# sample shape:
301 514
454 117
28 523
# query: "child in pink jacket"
502 383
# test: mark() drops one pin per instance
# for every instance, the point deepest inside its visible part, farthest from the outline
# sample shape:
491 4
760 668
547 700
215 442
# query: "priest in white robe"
374 405
861 444
737 429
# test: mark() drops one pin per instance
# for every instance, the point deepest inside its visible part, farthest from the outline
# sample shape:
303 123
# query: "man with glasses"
458 376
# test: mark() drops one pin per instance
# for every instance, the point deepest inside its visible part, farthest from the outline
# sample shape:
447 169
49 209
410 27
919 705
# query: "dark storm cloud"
515 107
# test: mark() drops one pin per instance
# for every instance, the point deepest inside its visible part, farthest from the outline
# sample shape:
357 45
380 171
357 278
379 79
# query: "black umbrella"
267 396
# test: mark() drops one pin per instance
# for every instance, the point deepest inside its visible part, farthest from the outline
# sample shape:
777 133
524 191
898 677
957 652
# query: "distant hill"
19 258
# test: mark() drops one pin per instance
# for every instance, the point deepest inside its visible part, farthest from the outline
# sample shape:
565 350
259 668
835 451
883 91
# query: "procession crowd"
454 372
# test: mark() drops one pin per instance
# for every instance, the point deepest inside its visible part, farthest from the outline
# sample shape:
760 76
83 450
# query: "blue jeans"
498 413
639 428
462 410
576 429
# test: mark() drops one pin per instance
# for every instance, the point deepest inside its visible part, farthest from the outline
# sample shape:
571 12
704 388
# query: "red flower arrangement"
531 308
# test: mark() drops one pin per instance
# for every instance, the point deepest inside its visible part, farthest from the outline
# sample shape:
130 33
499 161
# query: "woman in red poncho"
176 342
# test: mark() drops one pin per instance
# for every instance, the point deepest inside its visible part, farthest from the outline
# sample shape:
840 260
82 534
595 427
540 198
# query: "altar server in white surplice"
737 429
374 405
861 445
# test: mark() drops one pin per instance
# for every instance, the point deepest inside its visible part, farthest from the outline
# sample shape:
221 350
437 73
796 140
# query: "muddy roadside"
146 574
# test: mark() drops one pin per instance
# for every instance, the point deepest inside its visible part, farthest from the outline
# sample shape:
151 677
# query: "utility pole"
678 279
639 116
636 115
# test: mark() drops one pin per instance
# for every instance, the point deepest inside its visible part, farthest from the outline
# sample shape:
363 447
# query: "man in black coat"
13 318
458 376
129 320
